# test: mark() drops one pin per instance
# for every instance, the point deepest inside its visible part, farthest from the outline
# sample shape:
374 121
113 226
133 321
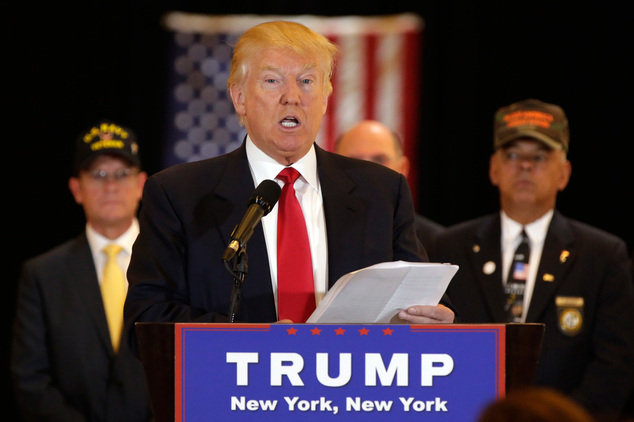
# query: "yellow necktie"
113 292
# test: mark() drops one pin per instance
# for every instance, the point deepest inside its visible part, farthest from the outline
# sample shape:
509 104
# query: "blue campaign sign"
261 372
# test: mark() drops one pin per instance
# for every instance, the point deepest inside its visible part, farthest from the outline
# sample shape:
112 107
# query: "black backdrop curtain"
71 64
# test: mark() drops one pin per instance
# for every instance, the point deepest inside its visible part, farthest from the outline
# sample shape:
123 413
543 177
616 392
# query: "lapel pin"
564 256
548 277
489 267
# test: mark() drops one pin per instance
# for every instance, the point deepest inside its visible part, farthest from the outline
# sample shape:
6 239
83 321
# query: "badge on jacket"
569 314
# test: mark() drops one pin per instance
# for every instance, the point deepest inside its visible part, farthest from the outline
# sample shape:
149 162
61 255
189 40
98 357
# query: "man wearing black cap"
529 263
68 363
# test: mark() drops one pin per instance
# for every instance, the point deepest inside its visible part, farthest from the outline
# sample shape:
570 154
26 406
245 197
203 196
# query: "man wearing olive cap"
529 263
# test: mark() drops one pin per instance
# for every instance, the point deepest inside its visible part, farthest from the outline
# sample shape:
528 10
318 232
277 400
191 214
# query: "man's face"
109 190
371 141
529 174
282 102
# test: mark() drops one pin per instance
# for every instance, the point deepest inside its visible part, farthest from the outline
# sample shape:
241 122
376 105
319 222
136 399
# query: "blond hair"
283 35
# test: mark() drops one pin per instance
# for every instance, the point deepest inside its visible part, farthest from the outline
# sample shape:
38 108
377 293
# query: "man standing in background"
68 362
529 263
371 140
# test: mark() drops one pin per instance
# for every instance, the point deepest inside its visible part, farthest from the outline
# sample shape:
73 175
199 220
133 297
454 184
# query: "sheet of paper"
377 294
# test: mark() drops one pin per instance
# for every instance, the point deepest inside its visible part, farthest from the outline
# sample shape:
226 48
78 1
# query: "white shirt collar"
536 230
264 167
126 240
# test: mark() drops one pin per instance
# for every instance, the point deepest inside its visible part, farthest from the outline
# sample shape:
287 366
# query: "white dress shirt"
308 193
97 243
511 238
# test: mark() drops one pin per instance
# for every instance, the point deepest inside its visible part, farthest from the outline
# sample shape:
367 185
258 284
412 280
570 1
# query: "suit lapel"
557 258
486 258
81 268
343 214
235 186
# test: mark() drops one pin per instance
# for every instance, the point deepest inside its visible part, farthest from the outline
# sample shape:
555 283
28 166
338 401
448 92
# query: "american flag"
520 271
377 77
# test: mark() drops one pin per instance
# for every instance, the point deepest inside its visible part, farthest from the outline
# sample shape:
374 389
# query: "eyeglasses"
536 158
119 175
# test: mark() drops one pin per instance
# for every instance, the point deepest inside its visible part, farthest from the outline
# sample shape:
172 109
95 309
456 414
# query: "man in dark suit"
68 363
575 278
356 213
373 141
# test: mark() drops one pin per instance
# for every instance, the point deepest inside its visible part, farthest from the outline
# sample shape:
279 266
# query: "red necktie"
295 289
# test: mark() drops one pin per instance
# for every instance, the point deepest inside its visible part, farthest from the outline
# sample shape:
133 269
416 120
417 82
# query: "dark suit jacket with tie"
63 364
595 365
189 211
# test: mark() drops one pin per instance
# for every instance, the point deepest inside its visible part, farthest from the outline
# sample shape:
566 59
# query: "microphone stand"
240 268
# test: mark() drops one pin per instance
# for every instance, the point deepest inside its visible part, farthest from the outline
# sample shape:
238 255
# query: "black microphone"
261 201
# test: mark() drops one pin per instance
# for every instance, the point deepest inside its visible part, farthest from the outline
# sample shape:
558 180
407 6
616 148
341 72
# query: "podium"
157 343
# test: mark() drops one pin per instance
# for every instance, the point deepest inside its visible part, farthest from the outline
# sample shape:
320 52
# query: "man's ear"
237 96
325 104
493 169
564 178
141 179
73 185
404 165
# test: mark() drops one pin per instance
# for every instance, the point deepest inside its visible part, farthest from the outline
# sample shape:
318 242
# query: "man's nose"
291 94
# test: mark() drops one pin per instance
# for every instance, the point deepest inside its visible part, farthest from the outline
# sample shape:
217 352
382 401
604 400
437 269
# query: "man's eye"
380 159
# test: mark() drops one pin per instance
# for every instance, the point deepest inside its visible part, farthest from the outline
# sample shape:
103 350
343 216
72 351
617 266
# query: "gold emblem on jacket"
569 314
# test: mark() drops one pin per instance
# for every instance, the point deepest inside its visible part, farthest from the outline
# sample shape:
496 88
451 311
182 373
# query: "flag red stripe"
370 45
411 96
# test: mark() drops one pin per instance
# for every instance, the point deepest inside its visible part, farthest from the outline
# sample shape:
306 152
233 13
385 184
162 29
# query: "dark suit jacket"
189 211
595 365
63 364
427 230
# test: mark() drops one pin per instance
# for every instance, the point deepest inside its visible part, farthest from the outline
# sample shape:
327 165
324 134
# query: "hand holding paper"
377 294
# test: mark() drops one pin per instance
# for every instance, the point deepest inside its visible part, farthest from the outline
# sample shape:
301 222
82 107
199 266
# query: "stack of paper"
377 294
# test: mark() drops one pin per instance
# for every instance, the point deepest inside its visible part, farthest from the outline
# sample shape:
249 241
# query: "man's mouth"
289 122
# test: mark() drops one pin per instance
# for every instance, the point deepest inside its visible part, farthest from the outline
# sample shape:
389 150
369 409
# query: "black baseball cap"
105 137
